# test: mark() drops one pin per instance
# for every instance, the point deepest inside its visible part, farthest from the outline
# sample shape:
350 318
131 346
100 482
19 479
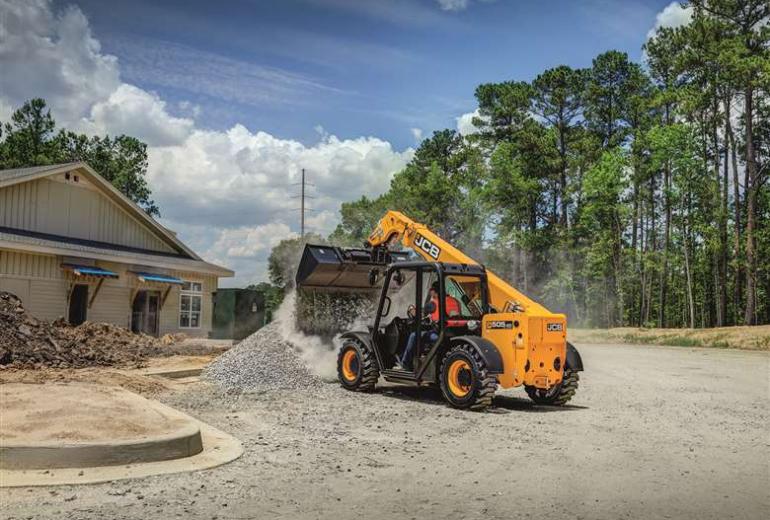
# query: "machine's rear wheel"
560 394
465 381
357 366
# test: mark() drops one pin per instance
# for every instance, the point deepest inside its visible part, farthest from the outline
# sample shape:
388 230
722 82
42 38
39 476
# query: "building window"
190 305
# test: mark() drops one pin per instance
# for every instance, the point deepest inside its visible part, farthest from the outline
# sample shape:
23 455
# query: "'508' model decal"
427 246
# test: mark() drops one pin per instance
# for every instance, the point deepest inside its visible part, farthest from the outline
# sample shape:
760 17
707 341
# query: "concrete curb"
218 448
184 442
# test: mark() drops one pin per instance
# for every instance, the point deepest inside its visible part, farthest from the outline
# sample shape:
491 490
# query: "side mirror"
385 306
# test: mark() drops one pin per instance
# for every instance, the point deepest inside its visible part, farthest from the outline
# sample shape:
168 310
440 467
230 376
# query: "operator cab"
432 301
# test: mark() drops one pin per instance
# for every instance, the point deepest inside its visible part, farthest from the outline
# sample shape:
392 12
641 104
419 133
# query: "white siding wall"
42 286
48 298
78 210
169 318
17 286
112 304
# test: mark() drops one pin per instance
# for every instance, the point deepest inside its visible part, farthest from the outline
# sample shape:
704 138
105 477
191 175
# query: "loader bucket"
330 268
337 288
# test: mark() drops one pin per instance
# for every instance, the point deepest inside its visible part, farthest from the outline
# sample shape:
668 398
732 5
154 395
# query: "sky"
235 98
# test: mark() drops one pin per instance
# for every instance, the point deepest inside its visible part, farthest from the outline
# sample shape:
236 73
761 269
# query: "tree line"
621 194
31 138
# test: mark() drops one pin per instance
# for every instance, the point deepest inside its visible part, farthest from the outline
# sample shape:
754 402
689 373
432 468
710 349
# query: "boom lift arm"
395 226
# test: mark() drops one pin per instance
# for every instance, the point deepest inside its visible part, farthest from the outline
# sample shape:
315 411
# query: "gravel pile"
263 361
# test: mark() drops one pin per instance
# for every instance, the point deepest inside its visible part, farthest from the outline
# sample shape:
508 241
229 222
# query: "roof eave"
181 264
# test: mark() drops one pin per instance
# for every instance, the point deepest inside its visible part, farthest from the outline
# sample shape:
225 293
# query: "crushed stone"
263 361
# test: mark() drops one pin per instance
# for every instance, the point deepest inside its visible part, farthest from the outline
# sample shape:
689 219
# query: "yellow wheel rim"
350 365
459 378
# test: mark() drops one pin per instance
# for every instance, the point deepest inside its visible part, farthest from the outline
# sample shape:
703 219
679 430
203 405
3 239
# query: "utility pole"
302 196
302 210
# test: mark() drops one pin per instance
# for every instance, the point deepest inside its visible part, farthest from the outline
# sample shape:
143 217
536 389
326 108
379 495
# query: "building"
238 313
72 245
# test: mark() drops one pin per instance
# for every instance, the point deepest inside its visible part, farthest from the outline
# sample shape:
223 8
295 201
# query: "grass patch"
745 338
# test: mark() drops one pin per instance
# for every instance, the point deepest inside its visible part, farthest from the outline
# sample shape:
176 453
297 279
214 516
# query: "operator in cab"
452 309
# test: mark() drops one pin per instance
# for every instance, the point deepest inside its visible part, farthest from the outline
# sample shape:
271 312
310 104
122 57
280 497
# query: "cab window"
467 291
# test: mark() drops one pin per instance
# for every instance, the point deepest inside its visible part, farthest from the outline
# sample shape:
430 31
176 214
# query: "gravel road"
654 432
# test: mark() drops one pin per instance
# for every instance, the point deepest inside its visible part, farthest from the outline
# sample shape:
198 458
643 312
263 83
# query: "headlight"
473 324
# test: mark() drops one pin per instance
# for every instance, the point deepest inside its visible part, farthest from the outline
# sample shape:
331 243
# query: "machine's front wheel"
560 394
357 366
465 381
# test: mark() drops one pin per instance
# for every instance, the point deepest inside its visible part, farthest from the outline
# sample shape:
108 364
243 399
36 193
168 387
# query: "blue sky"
354 67
235 98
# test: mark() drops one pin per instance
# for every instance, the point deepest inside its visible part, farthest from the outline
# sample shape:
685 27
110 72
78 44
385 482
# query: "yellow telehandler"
442 321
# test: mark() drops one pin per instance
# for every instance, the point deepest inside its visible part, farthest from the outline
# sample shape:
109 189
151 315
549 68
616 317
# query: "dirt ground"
63 413
654 432
131 379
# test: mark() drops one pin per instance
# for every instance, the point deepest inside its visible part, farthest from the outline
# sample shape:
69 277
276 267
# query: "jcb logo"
554 327
427 246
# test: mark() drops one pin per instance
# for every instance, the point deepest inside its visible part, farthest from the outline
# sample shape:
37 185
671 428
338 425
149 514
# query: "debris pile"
263 361
27 342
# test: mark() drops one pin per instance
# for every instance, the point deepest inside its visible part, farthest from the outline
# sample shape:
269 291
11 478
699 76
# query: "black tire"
477 385
357 368
560 394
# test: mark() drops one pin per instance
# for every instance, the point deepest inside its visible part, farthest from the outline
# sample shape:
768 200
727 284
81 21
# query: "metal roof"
155 277
90 270
30 243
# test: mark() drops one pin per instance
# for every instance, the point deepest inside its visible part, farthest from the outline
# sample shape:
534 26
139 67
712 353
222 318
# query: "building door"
78 304
144 312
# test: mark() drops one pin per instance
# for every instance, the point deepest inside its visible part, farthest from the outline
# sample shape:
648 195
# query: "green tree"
31 139
607 96
357 220
28 137
273 298
284 259
605 218
558 100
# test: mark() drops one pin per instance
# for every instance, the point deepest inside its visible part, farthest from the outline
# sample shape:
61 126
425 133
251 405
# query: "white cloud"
465 123
240 187
453 5
673 15
53 56
192 109
417 134
249 242
227 193
133 111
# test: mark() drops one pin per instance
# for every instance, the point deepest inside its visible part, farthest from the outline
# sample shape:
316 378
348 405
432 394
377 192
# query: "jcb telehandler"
473 333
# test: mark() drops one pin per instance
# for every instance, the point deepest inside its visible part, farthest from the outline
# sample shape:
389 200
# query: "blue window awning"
157 278
89 270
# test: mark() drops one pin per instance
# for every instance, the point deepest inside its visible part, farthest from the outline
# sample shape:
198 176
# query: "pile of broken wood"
27 342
